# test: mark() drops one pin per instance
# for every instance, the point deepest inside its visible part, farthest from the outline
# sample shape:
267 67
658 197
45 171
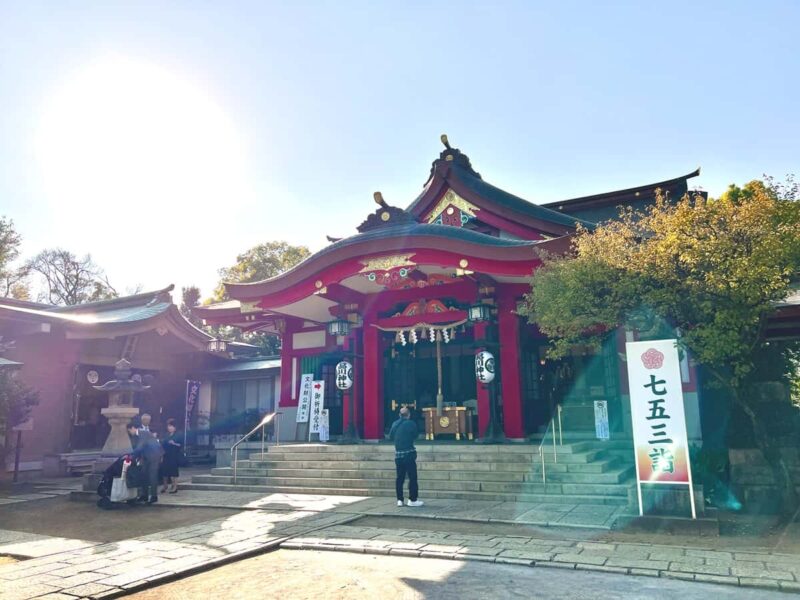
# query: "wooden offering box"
454 420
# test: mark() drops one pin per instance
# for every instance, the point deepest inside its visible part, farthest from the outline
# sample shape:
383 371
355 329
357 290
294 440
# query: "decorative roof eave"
171 319
491 199
619 196
333 265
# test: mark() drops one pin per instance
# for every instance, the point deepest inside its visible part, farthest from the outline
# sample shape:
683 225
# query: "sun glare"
128 141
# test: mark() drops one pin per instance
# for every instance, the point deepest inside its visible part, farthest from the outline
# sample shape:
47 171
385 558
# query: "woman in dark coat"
173 449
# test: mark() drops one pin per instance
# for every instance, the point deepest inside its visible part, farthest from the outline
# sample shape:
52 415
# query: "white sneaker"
416 503
399 503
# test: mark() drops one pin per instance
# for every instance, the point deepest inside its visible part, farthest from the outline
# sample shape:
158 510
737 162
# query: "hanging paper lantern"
344 375
484 367
432 335
413 336
402 337
446 336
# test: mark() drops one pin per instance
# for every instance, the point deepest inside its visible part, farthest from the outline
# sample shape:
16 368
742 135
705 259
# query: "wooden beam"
336 292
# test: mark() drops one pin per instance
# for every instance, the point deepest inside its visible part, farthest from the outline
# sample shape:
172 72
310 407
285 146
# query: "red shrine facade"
415 293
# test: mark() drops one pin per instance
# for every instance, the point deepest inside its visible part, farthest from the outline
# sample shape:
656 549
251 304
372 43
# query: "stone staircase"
581 472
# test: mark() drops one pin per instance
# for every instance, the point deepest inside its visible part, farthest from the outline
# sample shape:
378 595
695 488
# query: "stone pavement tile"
526 555
90 590
643 572
596 546
632 563
24 570
37 579
676 554
506 560
478 551
80 579
58 596
759 583
541 542
677 575
601 568
130 577
701 569
559 565
790 586
31 591
405 546
716 554
445 548
747 572
716 579
404 552
750 556
580 558
621 552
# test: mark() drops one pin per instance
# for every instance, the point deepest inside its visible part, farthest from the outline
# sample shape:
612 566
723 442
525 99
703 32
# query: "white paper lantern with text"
484 366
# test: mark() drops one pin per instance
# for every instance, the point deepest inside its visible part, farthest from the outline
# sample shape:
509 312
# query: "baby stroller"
119 483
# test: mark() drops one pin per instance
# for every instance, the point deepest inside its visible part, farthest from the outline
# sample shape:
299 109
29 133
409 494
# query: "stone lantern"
120 408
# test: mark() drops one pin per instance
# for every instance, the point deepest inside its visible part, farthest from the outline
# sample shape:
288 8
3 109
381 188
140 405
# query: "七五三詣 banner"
659 425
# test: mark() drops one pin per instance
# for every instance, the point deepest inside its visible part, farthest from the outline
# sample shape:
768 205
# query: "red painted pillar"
482 390
287 356
348 395
373 380
508 326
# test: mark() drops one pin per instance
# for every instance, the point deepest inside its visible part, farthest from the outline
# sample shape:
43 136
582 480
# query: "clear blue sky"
166 137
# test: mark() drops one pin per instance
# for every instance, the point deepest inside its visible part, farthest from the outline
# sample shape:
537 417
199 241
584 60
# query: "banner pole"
186 417
691 485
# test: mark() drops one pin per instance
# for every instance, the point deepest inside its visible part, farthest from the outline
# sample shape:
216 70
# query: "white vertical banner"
304 404
661 446
317 404
324 426
601 429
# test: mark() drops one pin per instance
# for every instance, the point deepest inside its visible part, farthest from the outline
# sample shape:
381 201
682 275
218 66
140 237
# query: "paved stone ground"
113 569
453 530
748 569
285 574
531 513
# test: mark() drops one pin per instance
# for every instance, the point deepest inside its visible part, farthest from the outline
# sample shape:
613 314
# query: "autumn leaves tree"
711 270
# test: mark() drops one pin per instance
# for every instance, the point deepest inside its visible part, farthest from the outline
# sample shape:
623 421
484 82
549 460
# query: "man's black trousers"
407 466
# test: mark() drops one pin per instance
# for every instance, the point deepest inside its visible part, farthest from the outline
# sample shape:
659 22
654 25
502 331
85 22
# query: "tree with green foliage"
16 403
68 279
710 269
260 262
190 298
256 264
12 278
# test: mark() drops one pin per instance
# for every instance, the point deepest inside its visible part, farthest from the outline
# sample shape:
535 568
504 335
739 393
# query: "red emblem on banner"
652 359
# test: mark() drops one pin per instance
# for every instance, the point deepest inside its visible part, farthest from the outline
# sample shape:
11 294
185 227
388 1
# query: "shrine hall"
417 292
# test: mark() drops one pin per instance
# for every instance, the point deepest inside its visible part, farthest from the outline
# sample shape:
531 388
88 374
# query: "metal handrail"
552 424
264 422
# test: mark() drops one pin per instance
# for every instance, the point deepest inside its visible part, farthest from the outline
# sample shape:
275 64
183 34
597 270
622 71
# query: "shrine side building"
416 292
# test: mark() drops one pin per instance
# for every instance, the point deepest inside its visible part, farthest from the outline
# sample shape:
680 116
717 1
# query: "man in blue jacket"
404 432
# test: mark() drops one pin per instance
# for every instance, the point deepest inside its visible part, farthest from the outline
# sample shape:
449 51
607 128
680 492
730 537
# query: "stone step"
432 448
364 455
599 466
431 473
550 498
531 485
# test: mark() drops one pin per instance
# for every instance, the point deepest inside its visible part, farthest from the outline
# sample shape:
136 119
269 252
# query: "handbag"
120 492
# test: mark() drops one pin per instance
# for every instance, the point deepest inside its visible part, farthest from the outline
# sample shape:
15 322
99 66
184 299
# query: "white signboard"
317 404
601 420
304 404
660 442
324 426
